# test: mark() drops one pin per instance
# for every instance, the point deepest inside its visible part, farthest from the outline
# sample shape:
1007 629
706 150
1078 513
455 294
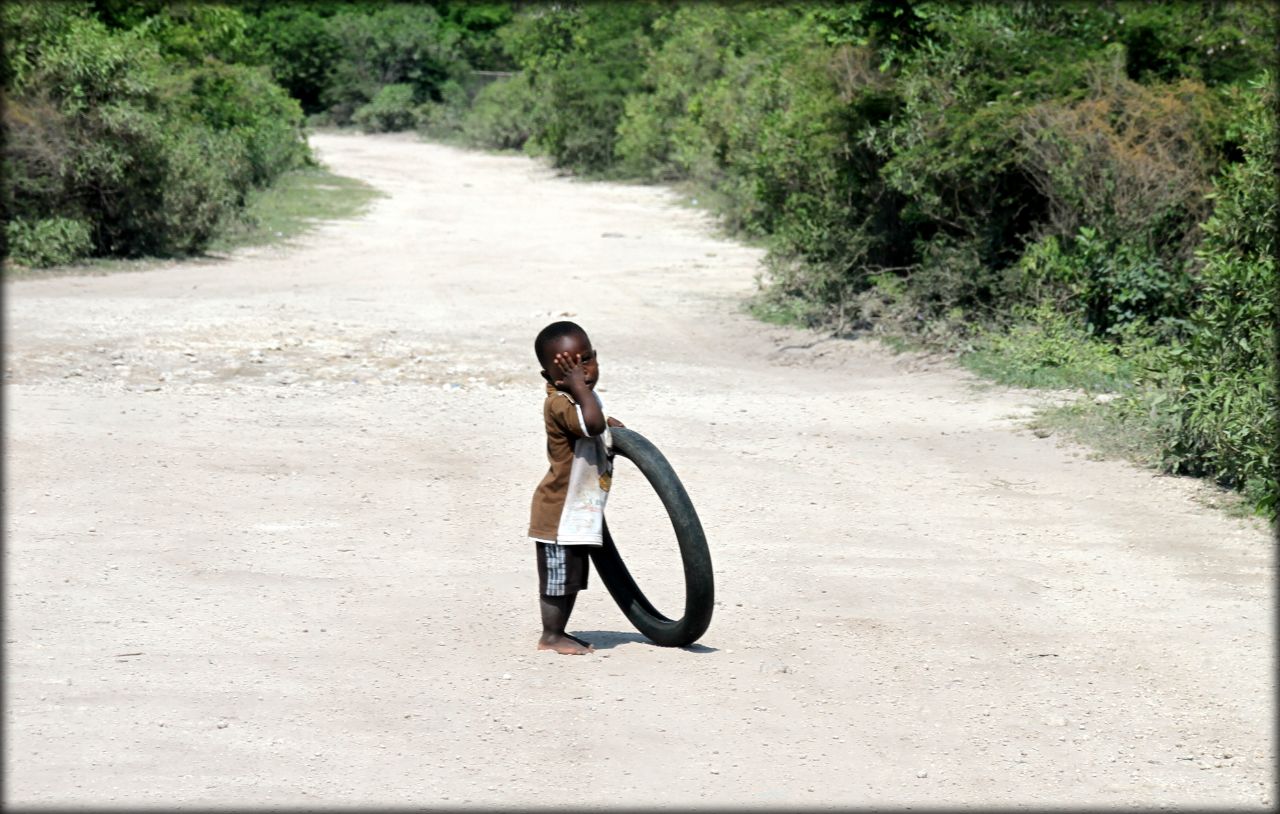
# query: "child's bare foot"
563 644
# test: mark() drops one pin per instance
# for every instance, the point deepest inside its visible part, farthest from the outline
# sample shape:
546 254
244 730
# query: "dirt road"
265 539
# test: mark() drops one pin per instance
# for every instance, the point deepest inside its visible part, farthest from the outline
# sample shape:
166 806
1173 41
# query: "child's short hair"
550 334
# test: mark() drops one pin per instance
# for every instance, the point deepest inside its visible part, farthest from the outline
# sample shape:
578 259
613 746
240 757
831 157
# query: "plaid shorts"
562 569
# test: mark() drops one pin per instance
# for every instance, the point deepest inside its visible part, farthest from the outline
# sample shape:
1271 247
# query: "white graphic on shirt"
582 519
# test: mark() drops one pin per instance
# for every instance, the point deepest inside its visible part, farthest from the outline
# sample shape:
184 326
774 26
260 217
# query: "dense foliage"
380 66
1224 394
131 141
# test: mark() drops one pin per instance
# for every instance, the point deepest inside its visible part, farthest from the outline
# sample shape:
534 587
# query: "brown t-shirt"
563 422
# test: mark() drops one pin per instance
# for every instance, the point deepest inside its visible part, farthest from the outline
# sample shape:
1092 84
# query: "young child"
567 516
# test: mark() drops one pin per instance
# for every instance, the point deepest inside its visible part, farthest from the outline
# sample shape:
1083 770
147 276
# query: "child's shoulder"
553 397
555 409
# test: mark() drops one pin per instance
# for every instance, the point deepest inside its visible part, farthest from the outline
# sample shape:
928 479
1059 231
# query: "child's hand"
613 422
573 373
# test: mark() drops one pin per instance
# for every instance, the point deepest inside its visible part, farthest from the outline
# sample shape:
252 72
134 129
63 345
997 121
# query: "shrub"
242 102
83 118
950 144
501 116
701 41
201 191
391 109
1224 393
152 155
760 106
581 62
443 119
1216 43
1133 162
951 279
1109 285
395 44
133 170
300 50
39 149
478 25
48 242
194 32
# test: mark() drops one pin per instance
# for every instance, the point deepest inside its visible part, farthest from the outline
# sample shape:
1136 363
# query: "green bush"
192 33
202 189
152 153
392 44
300 50
1224 391
443 118
392 109
84 117
724 103
48 242
1216 43
1109 286
581 61
477 26
700 42
241 101
501 116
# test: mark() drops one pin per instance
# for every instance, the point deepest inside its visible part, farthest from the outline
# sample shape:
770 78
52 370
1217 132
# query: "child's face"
574 344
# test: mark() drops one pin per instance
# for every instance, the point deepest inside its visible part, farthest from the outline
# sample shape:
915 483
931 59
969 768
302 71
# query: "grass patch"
1092 373
1046 350
296 203
1112 431
775 310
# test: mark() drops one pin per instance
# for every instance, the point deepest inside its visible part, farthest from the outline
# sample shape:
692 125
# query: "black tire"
699 585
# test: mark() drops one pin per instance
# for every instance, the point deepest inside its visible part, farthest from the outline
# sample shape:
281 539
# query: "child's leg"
555 615
573 597
561 574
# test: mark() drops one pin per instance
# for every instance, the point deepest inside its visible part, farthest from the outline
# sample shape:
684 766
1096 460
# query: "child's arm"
573 378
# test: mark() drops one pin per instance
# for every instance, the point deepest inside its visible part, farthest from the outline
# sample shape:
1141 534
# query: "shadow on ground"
609 639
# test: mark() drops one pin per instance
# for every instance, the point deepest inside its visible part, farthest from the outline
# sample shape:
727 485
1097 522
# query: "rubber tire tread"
699 584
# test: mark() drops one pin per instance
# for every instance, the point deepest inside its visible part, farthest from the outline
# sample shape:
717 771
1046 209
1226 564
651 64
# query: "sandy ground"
265 526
